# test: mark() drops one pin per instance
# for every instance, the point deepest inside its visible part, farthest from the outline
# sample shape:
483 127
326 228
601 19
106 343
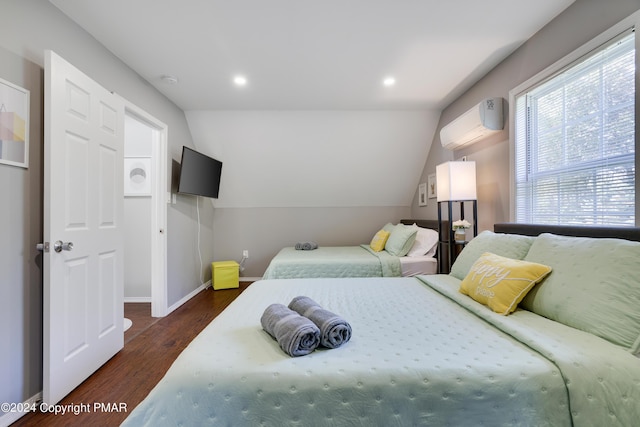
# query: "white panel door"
83 210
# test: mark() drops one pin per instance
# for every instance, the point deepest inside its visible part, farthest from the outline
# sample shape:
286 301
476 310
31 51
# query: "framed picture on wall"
14 124
422 194
137 176
432 186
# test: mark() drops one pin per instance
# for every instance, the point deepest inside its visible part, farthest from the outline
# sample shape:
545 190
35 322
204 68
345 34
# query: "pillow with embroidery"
501 283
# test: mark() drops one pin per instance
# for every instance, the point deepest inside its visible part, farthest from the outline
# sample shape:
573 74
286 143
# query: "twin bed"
421 353
355 261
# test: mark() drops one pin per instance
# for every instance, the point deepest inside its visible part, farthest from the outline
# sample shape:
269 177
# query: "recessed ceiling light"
389 81
240 80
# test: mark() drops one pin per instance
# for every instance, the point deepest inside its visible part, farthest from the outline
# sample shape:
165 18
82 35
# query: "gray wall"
20 230
577 25
28 28
137 246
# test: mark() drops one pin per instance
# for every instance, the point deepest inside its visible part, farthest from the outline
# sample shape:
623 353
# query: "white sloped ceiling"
314 125
315 158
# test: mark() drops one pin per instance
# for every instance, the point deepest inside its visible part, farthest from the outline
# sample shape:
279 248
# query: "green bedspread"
602 379
333 261
416 358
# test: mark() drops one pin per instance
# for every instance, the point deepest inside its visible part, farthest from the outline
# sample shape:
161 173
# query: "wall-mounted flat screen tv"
199 174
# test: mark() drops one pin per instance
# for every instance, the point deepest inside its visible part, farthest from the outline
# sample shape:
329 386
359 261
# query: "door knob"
59 246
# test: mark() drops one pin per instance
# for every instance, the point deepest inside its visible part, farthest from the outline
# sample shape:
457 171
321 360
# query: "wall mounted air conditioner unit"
479 122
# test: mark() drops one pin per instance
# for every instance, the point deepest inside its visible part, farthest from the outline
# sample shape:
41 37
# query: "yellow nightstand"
224 274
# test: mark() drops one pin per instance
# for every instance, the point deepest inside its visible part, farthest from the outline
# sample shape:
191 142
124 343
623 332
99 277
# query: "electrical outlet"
245 253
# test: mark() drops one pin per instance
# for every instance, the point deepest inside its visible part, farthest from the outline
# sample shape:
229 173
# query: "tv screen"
199 174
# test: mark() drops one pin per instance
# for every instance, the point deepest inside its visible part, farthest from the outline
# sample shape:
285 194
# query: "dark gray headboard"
628 233
429 223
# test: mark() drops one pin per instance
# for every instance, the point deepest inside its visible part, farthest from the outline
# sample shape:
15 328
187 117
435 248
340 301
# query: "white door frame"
159 303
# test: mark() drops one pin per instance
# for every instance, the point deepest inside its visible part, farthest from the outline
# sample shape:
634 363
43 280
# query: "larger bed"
421 353
361 260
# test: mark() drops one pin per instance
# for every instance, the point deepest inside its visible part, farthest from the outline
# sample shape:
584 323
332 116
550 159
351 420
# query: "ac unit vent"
479 122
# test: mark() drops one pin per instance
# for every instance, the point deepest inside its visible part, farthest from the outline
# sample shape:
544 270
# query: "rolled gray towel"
306 246
334 330
297 335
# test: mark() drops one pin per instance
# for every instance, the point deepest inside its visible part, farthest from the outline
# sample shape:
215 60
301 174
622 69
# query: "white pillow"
426 243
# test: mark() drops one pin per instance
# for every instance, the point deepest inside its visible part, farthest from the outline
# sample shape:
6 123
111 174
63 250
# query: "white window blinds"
575 142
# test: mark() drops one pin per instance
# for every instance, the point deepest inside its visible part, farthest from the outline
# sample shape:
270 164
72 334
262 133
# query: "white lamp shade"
456 181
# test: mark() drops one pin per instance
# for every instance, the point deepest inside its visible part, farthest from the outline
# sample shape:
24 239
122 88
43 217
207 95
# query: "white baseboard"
200 289
137 299
187 297
11 417
249 279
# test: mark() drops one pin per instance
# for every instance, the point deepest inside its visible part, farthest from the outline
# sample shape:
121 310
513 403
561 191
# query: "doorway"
145 210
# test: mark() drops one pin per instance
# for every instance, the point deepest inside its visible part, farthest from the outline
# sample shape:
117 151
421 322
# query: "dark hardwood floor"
140 315
149 351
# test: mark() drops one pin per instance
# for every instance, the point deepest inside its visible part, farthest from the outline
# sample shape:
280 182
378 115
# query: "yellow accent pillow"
379 240
501 283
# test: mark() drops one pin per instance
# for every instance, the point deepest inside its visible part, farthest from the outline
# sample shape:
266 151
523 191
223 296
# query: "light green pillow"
594 287
401 239
388 227
512 246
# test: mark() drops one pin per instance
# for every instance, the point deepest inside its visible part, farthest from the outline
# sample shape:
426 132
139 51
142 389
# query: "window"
575 141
